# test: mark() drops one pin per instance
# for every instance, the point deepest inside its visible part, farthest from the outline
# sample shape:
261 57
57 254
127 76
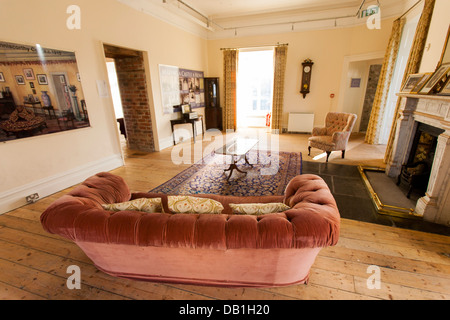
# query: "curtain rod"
260 46
407 11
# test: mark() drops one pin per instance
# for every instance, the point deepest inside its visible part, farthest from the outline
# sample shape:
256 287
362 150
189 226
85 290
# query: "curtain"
413 65
384 83
230 63
278 87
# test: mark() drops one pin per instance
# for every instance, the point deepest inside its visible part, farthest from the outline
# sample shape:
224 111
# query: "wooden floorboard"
412 264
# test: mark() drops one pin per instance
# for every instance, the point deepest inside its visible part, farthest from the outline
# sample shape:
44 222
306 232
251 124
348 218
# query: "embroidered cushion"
258 208
150 205
189 204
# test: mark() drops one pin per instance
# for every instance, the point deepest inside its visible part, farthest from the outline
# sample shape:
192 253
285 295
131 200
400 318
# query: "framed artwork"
411 82
185 108
31 84
435 78
29 74
2 77
421 83
42 79
355 83
446 89
20 80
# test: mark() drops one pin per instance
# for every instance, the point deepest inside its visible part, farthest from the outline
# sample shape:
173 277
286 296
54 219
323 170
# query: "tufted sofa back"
339 121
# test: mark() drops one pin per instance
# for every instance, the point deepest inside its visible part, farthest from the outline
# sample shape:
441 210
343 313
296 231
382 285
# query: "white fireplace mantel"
433 110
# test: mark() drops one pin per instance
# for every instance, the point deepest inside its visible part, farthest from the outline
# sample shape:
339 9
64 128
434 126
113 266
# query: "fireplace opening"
416 172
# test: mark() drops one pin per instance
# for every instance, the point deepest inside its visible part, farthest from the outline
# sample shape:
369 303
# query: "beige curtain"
230 63
413 64
381 95
278 87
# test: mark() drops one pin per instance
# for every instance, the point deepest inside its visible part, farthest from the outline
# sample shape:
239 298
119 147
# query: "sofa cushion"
190 204
150 205
258 208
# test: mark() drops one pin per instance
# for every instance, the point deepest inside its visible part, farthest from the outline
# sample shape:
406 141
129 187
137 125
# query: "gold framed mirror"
445 56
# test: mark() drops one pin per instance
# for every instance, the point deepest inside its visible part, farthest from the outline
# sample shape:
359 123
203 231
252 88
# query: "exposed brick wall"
135 103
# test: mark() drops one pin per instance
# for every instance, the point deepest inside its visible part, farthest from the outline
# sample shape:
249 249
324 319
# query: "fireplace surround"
434 111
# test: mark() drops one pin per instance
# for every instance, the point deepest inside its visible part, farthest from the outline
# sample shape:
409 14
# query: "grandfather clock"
306 77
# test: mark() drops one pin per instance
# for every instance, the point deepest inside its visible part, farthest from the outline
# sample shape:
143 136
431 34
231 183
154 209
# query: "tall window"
254 87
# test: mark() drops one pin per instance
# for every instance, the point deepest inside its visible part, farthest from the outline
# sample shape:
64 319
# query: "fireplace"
423 133
415 173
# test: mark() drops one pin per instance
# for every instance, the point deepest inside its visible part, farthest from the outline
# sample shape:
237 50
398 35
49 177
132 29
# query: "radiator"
300 122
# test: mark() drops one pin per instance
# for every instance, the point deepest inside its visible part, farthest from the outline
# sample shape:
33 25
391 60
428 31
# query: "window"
254 87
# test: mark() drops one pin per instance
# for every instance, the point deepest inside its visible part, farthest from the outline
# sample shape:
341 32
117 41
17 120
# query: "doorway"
130 94
254 87
115 93
60 85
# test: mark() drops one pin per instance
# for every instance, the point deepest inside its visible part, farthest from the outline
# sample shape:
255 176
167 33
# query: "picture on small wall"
2 77
355 83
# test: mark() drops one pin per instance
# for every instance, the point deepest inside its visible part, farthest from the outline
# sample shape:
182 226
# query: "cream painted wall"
436 36
327 48
26 163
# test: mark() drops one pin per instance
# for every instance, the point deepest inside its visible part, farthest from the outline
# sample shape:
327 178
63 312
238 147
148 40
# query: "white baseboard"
15 198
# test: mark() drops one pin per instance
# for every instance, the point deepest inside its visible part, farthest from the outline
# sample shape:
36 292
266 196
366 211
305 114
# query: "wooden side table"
191 121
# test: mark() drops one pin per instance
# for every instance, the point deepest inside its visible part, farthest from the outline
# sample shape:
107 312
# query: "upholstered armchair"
334 136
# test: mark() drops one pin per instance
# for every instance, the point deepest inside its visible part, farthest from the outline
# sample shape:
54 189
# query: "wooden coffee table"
238 150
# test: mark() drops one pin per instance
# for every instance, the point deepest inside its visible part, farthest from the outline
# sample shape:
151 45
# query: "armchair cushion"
325 143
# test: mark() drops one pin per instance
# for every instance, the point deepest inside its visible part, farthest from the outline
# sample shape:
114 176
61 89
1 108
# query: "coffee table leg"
246 161
233 166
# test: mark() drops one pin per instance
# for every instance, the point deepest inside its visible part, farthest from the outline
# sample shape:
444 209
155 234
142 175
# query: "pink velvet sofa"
226 249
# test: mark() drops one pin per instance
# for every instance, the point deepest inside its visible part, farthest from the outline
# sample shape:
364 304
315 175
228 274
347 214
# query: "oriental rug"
269 175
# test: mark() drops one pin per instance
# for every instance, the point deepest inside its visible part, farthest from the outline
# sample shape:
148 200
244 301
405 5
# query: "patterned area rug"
269 175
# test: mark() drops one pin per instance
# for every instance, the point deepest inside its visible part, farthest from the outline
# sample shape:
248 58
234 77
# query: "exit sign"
371 10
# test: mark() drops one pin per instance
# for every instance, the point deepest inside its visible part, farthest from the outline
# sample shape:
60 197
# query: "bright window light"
254 87
320 156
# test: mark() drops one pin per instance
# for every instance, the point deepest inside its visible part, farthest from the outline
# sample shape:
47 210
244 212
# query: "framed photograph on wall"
355 83
42 78
2 77
29 74
435 78
20 80
411 82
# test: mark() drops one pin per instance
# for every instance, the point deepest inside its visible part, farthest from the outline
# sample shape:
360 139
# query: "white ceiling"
230 18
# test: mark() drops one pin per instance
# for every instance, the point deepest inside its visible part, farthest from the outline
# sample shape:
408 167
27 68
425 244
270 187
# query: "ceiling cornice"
181 15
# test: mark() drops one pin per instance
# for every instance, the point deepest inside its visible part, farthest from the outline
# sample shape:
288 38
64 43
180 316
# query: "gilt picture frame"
411 82
437 76
422 82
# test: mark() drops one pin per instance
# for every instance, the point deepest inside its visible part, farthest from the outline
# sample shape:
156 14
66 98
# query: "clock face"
307 69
